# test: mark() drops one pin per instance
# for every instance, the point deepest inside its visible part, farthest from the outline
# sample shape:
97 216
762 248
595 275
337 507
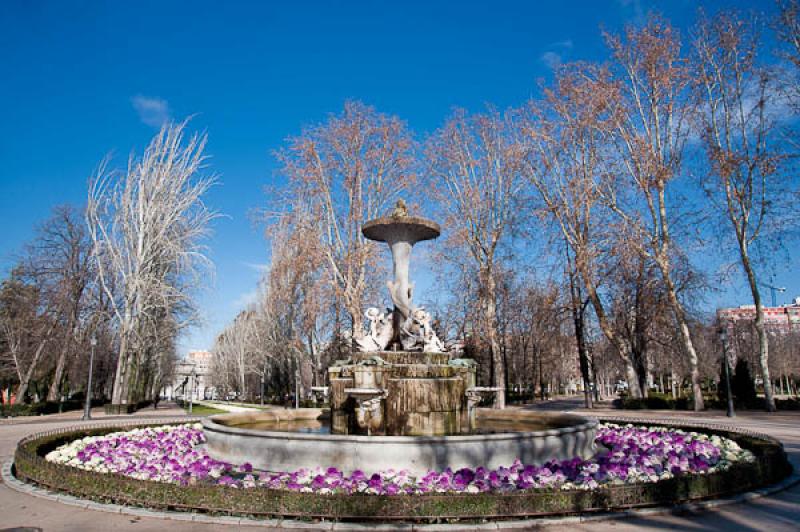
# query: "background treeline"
584 230
122 271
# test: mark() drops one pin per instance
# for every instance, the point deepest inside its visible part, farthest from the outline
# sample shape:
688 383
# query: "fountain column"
400 289
400 231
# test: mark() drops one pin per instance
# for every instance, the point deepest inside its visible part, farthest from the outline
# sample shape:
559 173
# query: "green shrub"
787 404
654 401
742 385
45 407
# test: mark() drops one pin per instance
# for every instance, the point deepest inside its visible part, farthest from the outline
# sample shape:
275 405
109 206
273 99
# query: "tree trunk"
119 395
583 357
53 393
763 340
23 383
686 337
673 381
491 326
55 386
622 350
639 366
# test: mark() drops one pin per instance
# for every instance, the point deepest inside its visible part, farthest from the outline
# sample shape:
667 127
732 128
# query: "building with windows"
784 319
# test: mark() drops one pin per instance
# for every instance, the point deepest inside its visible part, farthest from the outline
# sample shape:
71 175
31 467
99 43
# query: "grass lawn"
203 410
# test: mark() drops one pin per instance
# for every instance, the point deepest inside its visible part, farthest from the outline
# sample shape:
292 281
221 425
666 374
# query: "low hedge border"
771 466
46 407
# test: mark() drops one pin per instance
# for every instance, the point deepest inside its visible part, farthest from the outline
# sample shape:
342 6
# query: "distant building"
192 377
784 319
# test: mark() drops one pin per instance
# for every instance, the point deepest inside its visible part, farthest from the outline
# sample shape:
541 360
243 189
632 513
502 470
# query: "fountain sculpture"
400 379
401 399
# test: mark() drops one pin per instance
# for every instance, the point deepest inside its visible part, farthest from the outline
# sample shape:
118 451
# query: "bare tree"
57 260
568 142
738 126
147 226
577 307
475 166
788 32
342 173
651 132
297 296
238 349
27 324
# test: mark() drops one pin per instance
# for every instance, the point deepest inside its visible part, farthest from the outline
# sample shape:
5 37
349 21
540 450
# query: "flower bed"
165 467
634 455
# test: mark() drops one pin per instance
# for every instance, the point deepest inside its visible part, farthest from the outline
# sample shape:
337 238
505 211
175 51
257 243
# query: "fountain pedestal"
474 396
419 394
369 412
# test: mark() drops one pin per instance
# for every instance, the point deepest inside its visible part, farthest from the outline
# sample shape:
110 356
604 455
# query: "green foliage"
743 386
787 404
770 466
130 408
45 407
658 401
653 401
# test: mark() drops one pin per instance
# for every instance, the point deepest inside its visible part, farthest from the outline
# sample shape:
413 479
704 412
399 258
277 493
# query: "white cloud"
566 44
551 60
632 9
245 300
553 57
152 111
256 267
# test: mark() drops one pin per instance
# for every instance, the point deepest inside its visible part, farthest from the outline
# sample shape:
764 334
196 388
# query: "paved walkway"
780 512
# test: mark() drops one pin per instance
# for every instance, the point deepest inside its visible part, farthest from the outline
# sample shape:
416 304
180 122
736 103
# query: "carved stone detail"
406 325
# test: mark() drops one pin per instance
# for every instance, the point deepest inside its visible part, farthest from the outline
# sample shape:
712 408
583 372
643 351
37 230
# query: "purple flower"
171 454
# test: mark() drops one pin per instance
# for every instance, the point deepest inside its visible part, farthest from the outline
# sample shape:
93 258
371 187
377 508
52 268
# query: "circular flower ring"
630 454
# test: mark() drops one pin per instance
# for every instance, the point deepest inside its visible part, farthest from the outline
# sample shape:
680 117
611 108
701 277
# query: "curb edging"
22 487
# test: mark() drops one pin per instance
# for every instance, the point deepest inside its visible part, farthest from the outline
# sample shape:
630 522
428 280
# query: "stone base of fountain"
275 445
413 394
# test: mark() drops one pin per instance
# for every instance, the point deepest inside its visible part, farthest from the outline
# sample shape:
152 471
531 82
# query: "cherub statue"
418 333
412 332
431 342
380 331
400 209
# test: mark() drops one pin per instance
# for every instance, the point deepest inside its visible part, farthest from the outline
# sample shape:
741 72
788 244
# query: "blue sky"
81 79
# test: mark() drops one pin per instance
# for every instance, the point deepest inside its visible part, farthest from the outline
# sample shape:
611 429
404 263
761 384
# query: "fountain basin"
550 437
410 228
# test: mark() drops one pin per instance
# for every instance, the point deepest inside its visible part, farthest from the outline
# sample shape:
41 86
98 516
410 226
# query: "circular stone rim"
582 424
419 228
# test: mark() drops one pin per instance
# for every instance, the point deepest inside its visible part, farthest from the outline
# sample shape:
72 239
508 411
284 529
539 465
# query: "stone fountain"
400 381
400 400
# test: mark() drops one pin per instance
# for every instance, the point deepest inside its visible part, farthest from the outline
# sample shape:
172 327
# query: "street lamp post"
297 388
723 336
87 407
192 388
